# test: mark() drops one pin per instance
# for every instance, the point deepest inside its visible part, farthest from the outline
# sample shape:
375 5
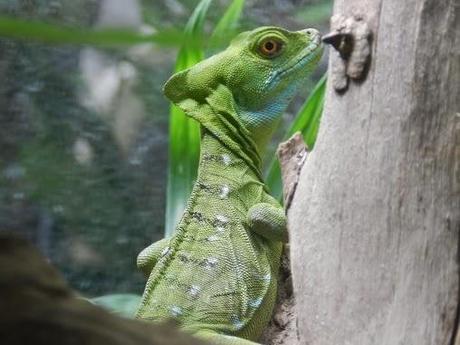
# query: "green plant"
184 133
306 122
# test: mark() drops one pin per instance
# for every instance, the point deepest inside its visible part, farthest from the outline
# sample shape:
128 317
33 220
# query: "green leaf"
124 305
184 133
55 34
226 28
307 122
309 115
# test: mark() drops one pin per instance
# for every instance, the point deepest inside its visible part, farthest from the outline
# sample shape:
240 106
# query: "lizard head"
262 70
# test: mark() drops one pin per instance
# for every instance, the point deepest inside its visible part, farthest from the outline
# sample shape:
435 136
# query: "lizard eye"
270 47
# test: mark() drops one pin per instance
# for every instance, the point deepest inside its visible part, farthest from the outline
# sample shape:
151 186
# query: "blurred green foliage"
184 132
316 13
52 34
90 219
90 205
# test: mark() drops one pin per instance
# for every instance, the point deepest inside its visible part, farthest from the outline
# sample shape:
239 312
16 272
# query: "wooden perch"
37 307
291 155
282 328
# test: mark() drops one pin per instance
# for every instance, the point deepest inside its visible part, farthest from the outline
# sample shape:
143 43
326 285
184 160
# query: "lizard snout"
313 34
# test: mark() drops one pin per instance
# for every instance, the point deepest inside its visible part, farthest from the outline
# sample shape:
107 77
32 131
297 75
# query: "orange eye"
270 47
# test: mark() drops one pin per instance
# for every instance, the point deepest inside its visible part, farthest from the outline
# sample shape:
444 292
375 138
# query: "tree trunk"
375 220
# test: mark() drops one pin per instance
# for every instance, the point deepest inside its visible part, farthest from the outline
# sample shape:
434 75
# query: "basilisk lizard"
217 276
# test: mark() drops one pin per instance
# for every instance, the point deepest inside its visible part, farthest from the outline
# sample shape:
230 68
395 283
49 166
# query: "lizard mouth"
305 61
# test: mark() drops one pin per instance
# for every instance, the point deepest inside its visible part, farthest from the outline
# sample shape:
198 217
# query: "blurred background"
84 130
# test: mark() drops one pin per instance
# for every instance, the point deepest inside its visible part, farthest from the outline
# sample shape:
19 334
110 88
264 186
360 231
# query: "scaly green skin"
217 275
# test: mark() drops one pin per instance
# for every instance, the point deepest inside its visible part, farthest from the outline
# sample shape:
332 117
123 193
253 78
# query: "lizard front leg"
148 257
268 221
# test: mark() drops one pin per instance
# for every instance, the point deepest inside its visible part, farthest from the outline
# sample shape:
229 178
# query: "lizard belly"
216 274
220 285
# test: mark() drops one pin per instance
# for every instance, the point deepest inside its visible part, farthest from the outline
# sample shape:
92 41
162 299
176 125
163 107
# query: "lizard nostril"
311 32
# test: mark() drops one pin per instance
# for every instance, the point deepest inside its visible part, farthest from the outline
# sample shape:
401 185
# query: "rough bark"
376 217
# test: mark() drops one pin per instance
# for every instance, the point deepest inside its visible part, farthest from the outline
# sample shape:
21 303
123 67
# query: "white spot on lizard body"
165 251
210 262
267 277
176 311
194 290
222 219
237 323
224 191
226 159
255 303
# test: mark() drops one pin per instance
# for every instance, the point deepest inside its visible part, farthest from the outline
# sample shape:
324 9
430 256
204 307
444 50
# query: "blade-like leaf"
184 133
56 34
307 122
227 26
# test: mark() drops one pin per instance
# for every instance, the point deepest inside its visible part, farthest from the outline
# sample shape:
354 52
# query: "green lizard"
217 275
